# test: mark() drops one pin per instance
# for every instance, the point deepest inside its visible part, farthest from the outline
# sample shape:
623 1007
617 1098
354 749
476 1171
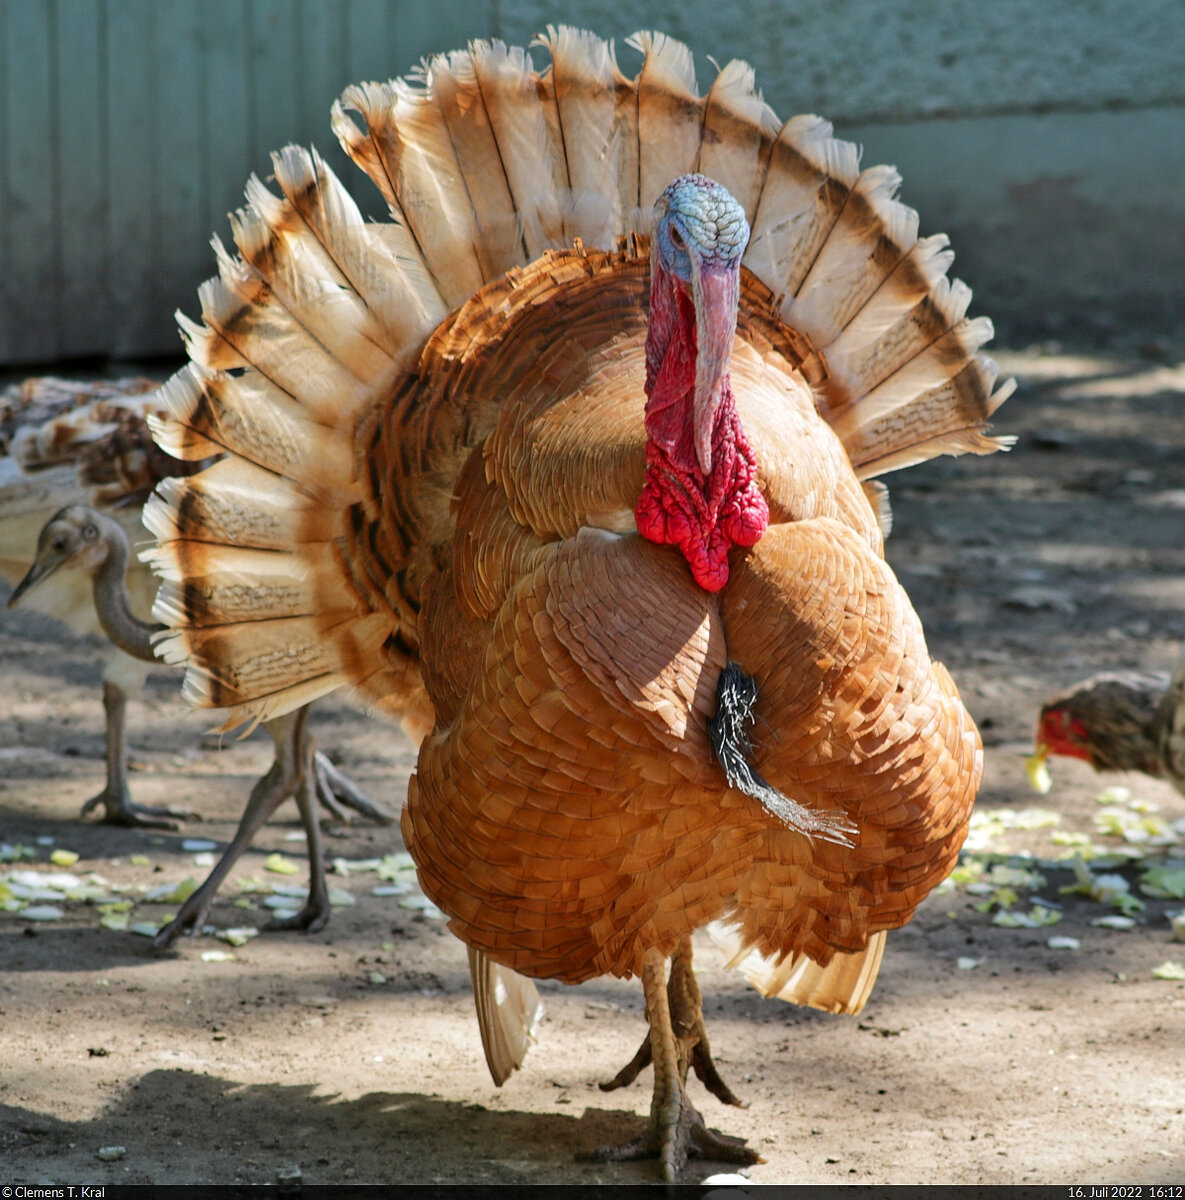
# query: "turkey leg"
676 1131
291 774
118 806
686 1007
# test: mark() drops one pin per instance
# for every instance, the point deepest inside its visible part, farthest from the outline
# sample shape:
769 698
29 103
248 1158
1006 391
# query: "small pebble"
112 1153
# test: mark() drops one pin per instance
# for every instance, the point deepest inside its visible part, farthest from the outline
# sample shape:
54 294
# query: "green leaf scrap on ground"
1064 943
1169 970
1105 889
347 866
1165 883
175 893
988 824
1114 921
255 886
1036 918
42 912
237 937
280 865
395 864
1134 827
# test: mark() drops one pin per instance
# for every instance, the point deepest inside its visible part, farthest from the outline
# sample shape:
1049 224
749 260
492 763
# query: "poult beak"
1037 772
716 293
41 569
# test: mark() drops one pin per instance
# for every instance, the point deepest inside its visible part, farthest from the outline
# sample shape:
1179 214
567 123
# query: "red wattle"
705 516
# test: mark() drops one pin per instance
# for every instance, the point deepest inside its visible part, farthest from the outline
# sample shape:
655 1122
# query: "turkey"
573 462
89 442
65 442
1117 721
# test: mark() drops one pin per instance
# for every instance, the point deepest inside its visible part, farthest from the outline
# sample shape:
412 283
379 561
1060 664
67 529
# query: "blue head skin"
700 234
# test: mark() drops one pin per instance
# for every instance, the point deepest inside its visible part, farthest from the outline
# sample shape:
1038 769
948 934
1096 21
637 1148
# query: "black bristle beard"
728 731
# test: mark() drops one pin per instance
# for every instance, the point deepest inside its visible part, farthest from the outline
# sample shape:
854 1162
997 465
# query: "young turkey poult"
80 444
567 462
64 442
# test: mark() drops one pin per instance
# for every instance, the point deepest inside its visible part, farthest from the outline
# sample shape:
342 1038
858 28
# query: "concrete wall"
1047 137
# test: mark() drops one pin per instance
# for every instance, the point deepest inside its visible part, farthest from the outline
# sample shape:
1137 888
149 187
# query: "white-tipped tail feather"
842 986
290 567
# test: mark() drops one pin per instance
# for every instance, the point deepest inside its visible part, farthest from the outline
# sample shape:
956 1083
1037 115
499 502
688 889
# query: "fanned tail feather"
670 121
508 1013
485 161
842 986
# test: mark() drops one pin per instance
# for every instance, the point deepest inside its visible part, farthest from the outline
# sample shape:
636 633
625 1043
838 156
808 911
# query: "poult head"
71 538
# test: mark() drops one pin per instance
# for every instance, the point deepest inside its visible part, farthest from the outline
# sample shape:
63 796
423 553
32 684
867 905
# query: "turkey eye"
58 544
677 239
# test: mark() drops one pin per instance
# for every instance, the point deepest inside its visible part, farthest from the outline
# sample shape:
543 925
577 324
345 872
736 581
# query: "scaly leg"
686 1007
269 792
291 774
335 790
116 799
676 1131
316 910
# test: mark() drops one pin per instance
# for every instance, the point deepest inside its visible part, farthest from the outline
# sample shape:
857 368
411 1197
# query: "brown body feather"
449 406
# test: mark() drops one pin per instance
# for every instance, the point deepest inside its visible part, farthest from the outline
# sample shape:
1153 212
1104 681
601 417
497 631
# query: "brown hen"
548 468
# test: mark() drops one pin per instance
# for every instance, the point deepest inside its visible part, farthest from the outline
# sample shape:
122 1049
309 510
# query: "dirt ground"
986 1055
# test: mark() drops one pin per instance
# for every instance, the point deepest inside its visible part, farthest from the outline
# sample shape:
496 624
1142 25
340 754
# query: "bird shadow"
190 1128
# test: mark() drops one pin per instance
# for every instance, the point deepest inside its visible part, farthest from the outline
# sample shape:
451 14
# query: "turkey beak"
41 569
715 291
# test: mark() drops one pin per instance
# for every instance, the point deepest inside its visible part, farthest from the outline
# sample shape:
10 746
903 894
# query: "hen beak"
1036 770
715 291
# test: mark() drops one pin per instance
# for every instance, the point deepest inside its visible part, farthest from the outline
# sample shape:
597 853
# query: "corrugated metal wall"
1043 137
127 131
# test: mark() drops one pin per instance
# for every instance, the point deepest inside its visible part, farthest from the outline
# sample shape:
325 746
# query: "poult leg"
337 793
116 799
291 774
316 909
266 796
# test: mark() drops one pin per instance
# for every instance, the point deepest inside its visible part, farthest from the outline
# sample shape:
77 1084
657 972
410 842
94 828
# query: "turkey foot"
289 775
676 1132
120 809
686 1007
118 806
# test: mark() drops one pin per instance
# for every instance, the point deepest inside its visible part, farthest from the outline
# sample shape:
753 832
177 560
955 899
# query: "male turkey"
571 460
